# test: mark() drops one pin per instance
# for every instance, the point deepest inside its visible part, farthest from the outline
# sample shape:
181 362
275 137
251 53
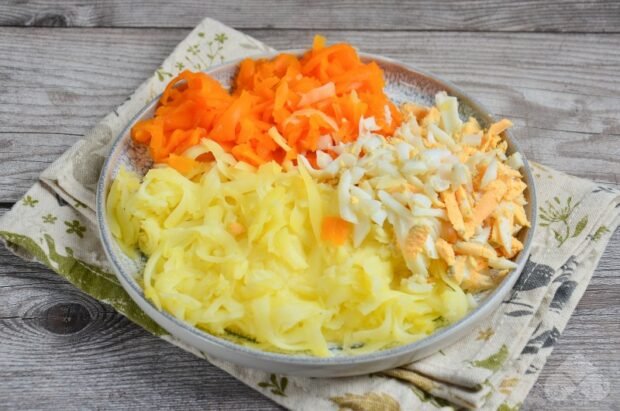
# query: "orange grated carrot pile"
279 108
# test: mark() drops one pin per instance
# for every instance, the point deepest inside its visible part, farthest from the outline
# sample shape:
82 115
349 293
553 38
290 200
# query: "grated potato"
238 251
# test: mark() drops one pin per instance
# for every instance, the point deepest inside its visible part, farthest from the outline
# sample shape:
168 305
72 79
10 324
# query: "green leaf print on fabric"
67 263
194 49
28 201
426 397
372 401
495 361
600 232
277 387
221 38
506 407
21 243
49 219
162 74
75 227
200 55
580 226
555 216
490 393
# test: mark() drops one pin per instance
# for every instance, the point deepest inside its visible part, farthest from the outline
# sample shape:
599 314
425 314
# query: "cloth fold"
493 368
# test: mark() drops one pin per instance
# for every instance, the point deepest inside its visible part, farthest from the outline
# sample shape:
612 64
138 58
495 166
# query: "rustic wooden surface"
553 67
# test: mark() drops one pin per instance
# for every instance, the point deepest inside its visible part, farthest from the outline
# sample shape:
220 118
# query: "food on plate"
278 109
306 213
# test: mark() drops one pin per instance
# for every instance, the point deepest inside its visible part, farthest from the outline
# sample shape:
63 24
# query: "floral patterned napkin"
493 368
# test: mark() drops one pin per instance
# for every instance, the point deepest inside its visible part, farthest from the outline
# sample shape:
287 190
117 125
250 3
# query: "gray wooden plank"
485 15
562 91
24 155
64 348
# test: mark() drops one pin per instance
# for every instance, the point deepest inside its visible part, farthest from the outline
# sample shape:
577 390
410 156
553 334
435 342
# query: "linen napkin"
493 368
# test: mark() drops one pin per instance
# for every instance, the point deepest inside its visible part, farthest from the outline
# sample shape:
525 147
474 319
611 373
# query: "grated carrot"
335 230
279 108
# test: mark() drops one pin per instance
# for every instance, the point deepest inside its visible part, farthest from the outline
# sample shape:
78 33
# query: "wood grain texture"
24 155
481 15
561 90
61 349
111 363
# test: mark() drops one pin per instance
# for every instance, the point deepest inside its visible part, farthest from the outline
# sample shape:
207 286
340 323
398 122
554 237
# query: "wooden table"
553 67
